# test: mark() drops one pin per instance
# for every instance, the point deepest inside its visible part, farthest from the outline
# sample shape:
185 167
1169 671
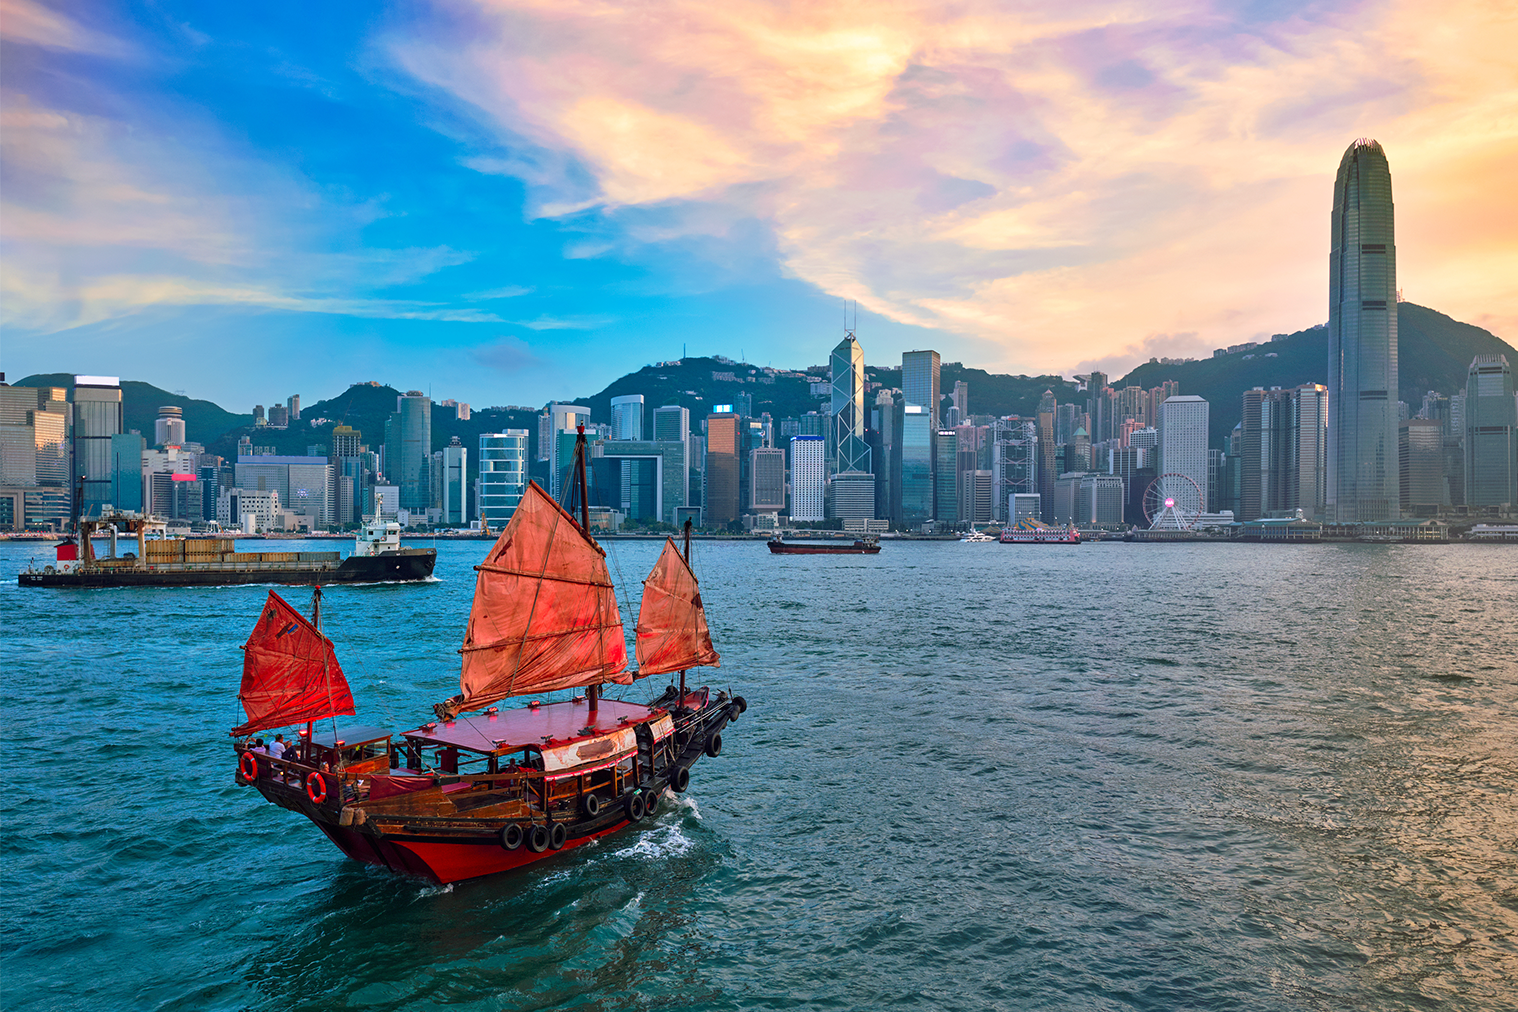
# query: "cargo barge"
203 562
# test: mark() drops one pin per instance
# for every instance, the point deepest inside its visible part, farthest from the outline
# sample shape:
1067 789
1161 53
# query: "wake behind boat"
483 789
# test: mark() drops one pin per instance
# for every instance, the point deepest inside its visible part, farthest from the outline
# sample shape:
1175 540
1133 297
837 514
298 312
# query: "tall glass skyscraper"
408 449
919 381
97 417
1363 482
849 419
1491 433
917 430
627 417
503 475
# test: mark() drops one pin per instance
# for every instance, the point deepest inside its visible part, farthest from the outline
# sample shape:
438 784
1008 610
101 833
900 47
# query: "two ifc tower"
1363 462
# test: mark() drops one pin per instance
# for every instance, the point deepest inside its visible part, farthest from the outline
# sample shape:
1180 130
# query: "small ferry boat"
1034 532
200 562
482 789
868 545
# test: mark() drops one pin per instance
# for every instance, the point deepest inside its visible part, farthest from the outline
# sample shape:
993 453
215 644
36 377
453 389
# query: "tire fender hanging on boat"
714 744
592 805
558 836
512 836
537 839
634 807
680 780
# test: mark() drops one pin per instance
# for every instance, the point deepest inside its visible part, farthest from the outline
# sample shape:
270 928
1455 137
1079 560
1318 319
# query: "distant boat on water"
868 545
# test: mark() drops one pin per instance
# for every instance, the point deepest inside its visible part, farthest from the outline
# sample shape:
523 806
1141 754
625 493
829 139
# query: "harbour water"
970 776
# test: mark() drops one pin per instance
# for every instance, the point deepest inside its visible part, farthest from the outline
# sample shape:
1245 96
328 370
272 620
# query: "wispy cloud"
507 292
33 24
1056 182
565 322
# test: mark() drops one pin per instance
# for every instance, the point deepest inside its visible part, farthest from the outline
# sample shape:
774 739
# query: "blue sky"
506 201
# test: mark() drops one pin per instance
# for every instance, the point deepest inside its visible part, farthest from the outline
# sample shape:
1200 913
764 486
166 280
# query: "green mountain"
203 420
1433 353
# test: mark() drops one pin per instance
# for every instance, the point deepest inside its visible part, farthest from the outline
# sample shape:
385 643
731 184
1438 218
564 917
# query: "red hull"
856 548
444 861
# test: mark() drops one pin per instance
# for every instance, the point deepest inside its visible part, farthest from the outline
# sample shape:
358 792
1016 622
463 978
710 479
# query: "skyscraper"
807 478
97 417
455 501
917 431
849 419
1491 433
1363 482
503 475
720 503
627 417
919 381
408 450
1183 440
168 430
671 423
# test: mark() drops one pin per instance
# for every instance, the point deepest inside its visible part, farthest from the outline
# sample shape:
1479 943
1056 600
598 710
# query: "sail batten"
672 633
290 673
545 612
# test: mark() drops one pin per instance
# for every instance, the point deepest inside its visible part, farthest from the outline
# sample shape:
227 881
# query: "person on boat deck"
277 747
258 746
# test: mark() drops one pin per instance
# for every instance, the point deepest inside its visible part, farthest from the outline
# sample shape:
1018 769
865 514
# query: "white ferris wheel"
1172 502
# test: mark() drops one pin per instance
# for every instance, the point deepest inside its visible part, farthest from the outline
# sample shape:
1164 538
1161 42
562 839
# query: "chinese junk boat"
485 789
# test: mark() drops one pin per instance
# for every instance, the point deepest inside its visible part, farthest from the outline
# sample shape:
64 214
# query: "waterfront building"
383 498
808 478
767 485
946 477
1048 470
249 510
917 450
455 472
97 417
641 479
304 484
503 475
210 484
127 449
1014 461
885 452
1363 484
1283 443
919 382
1183 439
1491 434
168 430
1024 506
849 418
408 450
976 494
627 417
1420 446
1097 499
720 496
851 496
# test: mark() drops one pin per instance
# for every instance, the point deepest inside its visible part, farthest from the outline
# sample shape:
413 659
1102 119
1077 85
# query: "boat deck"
550 723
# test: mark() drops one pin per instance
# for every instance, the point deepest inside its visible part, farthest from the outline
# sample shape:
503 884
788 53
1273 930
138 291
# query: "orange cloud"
1056 186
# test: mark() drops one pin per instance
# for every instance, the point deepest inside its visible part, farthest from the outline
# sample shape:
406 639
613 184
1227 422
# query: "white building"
503 475
627 417
1183 439
455 491
247 510
808 472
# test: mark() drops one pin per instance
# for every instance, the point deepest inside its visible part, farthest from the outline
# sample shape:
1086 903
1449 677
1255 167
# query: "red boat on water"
867 546
483 789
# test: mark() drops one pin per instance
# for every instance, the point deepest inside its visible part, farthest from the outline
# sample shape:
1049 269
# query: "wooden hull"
465 846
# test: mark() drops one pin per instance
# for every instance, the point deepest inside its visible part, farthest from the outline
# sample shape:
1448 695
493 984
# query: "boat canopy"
672 634
290 673
545 612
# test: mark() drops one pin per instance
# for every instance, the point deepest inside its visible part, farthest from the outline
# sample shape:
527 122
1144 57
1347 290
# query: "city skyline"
485 225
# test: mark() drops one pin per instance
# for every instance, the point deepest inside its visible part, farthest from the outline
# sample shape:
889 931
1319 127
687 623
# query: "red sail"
672 632
290 674
545 612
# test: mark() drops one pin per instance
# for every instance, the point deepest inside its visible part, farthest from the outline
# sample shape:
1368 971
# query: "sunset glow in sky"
510 200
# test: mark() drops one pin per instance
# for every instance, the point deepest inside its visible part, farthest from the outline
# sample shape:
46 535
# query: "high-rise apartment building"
849 418
292 406
627 417
97 417
808 478
1183 440
503 475
1363 484
1491 434
919 382
962 399
720 499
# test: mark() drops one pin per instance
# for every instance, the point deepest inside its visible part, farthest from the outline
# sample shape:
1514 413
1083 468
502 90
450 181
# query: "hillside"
1433 353
203 420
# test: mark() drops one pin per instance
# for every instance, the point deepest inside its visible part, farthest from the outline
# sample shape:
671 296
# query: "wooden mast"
687 563
316 621
592 692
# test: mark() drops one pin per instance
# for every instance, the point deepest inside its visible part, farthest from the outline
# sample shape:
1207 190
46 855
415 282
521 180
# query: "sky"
509 201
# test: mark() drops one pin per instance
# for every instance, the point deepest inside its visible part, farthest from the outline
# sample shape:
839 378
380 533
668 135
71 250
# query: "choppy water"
970 777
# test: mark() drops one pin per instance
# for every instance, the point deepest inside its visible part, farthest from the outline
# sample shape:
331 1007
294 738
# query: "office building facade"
1491 449
1183 440
808 478
1363 484
919 382
627 417
502 475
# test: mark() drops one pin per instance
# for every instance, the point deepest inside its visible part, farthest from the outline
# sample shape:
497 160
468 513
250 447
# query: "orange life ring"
313 782
247 766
